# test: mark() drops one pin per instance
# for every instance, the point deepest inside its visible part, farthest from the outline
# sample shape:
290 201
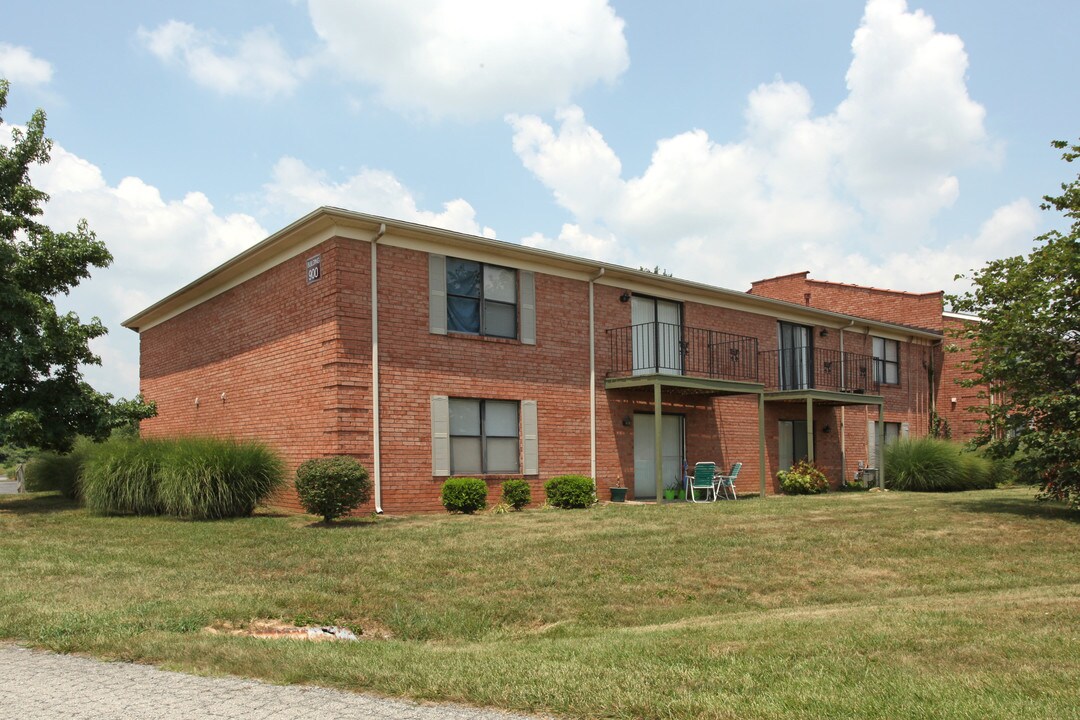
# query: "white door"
645 458
657 336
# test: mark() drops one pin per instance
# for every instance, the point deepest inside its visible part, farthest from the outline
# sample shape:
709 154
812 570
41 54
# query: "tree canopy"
1027 350
44 401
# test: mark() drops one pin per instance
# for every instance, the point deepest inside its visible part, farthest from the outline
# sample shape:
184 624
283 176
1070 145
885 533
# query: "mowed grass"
843 606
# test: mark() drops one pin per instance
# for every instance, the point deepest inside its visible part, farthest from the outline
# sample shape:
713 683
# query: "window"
886 361
796 345
483 436
893 431
481 299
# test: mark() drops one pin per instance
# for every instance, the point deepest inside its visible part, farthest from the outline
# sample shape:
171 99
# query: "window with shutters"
481 299
484 436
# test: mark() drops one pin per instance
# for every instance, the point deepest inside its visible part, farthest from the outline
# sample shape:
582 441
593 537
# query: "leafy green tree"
44 401
1027 351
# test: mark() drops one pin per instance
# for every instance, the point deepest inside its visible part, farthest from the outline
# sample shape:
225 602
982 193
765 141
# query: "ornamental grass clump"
464 495
516 493
210 478
570 491
195 478
930 465
50 471
333 486
804 478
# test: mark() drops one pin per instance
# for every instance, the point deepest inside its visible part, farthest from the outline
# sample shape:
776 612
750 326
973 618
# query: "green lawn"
849 605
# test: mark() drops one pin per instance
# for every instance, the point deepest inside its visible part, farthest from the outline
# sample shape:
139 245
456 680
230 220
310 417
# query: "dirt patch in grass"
271 629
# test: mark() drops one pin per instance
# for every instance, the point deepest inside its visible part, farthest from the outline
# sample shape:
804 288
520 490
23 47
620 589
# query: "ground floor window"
483 436
793 447
893 431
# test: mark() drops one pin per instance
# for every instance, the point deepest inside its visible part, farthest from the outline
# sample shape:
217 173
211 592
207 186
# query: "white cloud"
158 245
255 66
473 58
853 190
19 65
296 189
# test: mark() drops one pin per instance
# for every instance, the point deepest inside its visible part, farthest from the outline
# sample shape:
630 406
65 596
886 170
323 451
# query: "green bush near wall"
570 491
804 478
464 494
50 471
332 487
930 465
196 478
516 493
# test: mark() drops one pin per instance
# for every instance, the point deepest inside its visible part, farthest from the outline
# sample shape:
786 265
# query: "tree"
44 401
1027 351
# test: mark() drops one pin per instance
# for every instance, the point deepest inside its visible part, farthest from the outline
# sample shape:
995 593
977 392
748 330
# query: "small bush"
120 477
210 479
464 495
516 493
804 478
570 491
197 478
52 472
929 465
332 487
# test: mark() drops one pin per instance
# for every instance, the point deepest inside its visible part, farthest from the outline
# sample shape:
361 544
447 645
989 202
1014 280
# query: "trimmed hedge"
930 465
570 491
804 478
197 478
332 486
516 493
464 494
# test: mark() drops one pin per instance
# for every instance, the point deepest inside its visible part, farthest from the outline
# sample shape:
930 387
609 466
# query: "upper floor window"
886 361
480 298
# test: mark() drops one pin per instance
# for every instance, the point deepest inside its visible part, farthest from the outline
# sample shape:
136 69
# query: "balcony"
804 368
659 348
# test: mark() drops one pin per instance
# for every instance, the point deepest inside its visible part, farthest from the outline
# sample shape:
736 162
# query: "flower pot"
618 494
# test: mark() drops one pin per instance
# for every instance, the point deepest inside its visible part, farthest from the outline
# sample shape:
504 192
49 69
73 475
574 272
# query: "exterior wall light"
625 297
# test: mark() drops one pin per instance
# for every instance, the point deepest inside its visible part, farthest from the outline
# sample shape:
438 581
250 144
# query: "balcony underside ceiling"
681 385
823 397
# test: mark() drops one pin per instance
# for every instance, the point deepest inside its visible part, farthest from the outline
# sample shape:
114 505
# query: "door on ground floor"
645 456
792 443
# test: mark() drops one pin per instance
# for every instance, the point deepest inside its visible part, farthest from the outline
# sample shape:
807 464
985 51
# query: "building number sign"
314 268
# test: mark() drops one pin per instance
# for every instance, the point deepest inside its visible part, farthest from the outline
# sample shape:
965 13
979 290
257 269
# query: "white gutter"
592 378
377 457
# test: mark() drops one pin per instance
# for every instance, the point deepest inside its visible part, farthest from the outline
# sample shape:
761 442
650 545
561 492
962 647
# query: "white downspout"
377 456
592 379
843 414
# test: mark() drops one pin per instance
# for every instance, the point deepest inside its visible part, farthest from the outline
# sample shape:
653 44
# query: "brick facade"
275 358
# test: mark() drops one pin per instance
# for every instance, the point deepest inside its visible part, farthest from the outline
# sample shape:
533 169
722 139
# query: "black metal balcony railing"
672 349
804 368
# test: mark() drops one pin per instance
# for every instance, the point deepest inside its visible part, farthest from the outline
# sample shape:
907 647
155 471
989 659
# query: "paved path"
8 487
39 685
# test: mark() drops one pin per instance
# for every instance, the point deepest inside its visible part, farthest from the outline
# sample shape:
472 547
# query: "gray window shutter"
528 307
905 430
871 444
437 294
440 435
531 466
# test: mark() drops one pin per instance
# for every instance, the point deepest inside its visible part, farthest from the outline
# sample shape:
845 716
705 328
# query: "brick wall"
921 310
962 421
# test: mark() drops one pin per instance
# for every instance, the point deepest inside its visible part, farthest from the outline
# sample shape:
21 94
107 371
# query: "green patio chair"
702 481
727 482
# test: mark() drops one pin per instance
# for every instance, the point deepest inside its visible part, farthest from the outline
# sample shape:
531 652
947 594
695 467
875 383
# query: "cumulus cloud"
158 245
297 189
255 66
849 192
19 65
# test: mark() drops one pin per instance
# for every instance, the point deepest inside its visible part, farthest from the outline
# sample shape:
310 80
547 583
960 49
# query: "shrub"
804 478
197 478
929 465
516 493
333 486
464 494
570 491
52 472
209 478
119 477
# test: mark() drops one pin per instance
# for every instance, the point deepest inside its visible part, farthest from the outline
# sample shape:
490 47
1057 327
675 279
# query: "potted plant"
618 491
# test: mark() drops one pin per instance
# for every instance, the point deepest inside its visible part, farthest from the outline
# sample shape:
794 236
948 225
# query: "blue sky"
884 143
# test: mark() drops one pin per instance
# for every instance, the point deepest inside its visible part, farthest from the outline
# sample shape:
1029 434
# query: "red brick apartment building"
427 353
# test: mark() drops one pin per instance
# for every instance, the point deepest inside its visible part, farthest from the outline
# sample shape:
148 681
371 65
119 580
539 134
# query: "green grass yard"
848 605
